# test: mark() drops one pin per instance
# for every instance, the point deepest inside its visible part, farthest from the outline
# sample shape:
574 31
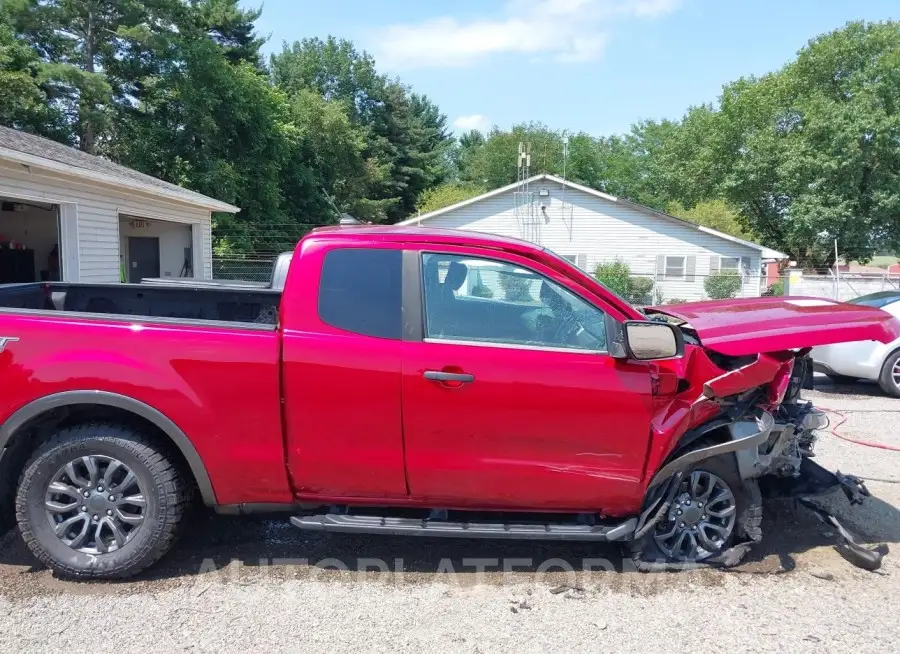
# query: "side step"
343 523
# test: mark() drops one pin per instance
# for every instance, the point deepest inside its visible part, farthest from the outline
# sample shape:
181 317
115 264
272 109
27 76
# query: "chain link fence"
257 269
841 287
648 290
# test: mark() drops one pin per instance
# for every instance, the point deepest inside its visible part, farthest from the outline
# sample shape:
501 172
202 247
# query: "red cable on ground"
834 432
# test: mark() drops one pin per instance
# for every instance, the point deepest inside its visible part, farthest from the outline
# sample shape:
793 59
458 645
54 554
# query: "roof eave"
459 205
766 253
102 178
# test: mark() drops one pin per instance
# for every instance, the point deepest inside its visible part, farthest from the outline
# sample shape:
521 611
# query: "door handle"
441 376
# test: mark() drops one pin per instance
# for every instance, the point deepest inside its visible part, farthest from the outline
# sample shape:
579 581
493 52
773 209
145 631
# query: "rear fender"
48 403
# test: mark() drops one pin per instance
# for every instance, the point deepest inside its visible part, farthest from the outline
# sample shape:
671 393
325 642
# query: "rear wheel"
890 375
711 510
100 501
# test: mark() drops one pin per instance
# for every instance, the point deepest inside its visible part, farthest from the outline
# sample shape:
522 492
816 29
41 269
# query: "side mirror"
646 340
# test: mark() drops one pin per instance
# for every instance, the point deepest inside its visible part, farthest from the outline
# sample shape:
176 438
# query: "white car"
865 359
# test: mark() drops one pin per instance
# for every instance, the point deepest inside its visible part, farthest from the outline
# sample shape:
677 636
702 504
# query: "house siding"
98 209
596 230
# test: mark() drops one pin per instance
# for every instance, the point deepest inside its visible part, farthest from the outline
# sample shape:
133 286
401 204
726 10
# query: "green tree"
407 142
493 162
232 29
444 195
716 214
223 130
816 146
23 100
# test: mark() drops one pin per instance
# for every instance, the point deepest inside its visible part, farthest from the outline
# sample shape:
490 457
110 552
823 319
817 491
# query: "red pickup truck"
405 381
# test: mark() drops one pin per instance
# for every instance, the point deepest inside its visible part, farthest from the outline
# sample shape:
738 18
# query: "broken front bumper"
815 481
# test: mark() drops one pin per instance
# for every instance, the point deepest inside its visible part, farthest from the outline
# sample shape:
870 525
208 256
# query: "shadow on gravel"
860 388
213 542
789 529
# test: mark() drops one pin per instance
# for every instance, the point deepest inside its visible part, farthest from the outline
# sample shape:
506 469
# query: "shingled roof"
37 151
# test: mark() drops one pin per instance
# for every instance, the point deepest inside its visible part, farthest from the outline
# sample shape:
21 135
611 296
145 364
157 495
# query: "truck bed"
179 301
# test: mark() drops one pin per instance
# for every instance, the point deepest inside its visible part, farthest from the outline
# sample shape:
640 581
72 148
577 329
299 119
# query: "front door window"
498 303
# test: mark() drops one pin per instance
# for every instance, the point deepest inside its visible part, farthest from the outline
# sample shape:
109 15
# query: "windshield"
571 266
877 300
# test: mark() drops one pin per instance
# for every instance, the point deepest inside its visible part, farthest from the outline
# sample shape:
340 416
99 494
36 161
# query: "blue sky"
583 65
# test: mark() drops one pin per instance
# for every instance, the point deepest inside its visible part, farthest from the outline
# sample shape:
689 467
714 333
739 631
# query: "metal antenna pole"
837 274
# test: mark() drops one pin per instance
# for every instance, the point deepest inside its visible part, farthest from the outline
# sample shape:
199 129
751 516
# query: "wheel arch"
34 410
890 352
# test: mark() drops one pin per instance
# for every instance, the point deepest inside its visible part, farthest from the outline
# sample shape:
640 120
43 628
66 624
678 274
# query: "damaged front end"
749 406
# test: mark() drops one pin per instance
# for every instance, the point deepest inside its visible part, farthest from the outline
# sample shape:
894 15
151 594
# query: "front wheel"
100 501
712 508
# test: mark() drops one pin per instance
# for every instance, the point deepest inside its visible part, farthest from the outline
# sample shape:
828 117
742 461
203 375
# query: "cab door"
510 398
341 354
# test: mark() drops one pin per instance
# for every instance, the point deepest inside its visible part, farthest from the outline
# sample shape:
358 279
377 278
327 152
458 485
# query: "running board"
343 523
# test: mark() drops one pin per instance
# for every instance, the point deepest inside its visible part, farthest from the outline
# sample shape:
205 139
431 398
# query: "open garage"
29 242
155 248
67 215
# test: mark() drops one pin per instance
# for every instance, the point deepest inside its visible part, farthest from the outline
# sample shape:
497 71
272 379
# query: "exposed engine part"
791 439
746 436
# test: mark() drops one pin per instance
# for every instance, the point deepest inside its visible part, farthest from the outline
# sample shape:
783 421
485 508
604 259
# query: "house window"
577 260
675 267
730 264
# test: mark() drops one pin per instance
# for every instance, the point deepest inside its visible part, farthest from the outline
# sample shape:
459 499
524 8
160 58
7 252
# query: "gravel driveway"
253 586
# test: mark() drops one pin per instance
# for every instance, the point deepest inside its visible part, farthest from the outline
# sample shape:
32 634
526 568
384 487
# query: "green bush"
515 289
615 276
640 289
480 290
722 285
676 300
776 289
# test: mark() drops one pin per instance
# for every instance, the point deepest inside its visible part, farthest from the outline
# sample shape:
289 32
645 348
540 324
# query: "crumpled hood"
747 326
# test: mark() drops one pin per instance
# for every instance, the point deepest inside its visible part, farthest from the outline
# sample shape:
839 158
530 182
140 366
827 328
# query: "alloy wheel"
700 520
95 504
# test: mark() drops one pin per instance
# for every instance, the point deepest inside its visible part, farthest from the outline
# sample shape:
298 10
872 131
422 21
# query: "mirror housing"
648 340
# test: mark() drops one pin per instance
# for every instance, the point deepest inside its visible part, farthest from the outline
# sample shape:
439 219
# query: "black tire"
165 491
648 557
886 378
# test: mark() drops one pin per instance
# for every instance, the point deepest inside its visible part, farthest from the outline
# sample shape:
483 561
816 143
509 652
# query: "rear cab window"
360 291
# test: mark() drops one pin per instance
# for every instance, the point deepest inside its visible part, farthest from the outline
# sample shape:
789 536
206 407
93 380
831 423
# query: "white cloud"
475 121
566 30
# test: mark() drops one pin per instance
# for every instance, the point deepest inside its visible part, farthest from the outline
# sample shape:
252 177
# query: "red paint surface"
220 386
342 395
771 324
315 413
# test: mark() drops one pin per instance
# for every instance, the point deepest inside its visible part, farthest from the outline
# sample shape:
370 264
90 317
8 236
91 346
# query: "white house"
588 227
68 215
